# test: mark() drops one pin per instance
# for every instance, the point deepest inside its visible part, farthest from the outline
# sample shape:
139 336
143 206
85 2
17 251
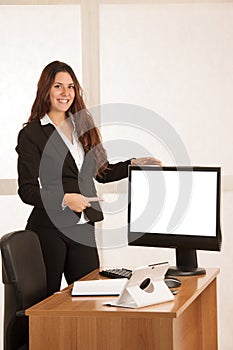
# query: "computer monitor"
175 207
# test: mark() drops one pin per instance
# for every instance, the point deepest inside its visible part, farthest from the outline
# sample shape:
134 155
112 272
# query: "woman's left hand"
146 161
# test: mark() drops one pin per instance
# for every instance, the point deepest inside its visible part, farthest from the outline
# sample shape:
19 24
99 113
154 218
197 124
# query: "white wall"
175 59
37 36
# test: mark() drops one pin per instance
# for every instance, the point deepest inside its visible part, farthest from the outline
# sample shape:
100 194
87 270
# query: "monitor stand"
186 264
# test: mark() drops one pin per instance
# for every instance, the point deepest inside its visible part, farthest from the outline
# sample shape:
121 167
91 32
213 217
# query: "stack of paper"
98 287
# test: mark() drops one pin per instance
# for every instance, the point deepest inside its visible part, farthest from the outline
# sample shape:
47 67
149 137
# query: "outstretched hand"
146 161
78 202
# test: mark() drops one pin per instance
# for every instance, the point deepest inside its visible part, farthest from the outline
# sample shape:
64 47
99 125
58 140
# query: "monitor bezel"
211 243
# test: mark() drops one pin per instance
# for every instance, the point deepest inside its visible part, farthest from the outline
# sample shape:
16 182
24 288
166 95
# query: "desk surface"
62 304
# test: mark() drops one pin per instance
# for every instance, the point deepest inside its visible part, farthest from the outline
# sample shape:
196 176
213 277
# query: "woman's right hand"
76 202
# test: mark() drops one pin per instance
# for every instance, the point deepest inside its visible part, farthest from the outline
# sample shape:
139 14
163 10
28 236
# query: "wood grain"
187 323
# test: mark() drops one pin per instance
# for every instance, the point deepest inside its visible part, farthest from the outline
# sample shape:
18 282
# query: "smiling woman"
51 166
62 95
59 99
60 153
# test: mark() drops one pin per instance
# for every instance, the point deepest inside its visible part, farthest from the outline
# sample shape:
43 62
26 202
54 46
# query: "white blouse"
74 147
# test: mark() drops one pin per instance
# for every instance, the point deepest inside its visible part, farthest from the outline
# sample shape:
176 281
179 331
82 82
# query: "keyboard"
116 273
170 281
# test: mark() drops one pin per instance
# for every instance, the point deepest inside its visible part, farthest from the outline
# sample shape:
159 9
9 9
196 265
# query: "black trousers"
72 252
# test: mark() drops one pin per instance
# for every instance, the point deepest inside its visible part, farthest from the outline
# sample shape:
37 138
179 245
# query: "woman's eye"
58 86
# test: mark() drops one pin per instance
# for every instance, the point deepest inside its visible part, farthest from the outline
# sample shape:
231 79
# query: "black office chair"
24 278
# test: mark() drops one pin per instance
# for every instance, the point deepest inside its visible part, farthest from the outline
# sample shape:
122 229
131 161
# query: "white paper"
99 287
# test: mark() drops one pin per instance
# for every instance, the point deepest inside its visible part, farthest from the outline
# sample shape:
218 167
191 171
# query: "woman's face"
62 93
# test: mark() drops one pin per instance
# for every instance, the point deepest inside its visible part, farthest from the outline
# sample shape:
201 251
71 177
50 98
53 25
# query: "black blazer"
47 170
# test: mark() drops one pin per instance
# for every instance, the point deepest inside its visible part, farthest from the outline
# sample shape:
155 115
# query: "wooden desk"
62 322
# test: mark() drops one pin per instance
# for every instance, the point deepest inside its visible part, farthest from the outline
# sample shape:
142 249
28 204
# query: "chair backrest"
24 278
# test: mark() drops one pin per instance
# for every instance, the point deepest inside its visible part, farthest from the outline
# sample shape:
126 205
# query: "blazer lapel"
55 141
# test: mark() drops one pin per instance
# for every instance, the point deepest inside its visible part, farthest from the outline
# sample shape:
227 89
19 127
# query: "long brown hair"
88 133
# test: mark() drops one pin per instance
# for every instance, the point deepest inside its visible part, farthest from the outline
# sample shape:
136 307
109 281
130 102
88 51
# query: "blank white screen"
155 197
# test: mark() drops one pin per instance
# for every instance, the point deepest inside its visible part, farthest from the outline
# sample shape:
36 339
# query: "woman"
59 154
